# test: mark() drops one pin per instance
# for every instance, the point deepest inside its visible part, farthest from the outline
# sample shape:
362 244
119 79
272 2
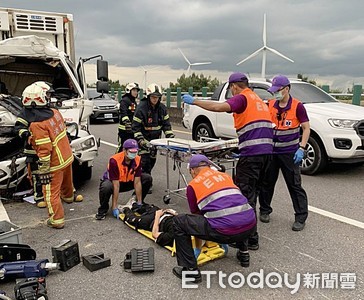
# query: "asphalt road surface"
327 256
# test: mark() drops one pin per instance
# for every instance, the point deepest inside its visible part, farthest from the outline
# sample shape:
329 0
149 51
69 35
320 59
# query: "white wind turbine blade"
201 63
251 56
184 56
264 32
279 54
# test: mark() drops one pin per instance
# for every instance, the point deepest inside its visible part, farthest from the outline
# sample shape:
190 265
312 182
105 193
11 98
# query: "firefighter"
48 137
128 106
150 119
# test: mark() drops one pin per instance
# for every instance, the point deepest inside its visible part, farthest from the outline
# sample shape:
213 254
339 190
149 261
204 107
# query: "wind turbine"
146 74
192 64
264 49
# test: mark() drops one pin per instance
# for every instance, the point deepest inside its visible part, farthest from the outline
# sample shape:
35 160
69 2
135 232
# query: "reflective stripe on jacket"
221 202
254 126
49 140
126 173
286 133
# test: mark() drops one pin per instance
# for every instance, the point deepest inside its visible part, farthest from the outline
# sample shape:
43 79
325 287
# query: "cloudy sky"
325 38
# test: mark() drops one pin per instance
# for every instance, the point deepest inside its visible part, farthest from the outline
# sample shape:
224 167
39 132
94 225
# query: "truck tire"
203 130
315 159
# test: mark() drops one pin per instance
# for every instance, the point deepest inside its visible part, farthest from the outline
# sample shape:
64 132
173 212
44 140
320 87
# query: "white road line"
310 208
184 132
336 217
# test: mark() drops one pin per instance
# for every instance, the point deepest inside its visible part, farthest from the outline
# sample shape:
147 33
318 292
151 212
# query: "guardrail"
173 99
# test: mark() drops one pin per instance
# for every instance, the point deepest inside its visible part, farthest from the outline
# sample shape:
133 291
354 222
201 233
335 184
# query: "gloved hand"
45 178
298 156
128 126
170 135
145 144
225 247
115 213
197 252
188 99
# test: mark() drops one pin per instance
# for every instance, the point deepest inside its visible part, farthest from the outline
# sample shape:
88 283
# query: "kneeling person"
220 213
124 173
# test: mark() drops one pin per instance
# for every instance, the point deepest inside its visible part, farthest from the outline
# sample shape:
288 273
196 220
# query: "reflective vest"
222 203
49 140
254 126
286 133
126 172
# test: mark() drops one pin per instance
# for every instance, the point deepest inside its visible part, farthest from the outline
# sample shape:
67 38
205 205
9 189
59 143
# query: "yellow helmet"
35 95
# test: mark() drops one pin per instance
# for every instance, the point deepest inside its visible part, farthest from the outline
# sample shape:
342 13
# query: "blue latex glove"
115 213
225 247
188 99
298 156
197 252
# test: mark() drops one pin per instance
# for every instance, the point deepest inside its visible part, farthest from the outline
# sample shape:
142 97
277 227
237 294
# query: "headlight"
96 107
87 144
342 123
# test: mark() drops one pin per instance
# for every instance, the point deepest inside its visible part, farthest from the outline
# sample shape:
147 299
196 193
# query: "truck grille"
360 128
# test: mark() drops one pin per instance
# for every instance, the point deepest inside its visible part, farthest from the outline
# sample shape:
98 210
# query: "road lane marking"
336 217
184 132
310 208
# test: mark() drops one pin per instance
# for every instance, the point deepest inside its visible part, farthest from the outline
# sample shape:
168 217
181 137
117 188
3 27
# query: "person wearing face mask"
124 173
289 117
128 106
255 133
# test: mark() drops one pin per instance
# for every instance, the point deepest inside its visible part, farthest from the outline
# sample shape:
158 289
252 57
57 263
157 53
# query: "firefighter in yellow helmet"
48 137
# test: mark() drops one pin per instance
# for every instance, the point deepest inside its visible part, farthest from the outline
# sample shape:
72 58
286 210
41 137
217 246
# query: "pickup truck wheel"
315 159
203 130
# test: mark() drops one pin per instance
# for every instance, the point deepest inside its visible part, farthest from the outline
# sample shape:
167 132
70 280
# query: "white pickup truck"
39 46
337 129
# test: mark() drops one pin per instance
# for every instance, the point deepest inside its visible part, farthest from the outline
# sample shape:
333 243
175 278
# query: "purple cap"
278 82
131 145
197 160
237 77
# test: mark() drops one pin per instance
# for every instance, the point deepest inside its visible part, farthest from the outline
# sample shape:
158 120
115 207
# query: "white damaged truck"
39 46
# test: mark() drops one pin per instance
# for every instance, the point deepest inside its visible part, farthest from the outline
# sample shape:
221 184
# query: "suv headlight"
342 123
86 144
96 107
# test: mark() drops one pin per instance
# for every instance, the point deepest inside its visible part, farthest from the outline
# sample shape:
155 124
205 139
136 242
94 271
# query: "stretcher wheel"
166 199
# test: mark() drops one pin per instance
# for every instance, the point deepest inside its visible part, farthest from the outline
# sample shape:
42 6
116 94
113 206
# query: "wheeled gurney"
222 154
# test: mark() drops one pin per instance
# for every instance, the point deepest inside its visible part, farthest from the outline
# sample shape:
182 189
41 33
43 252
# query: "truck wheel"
203 130
315 159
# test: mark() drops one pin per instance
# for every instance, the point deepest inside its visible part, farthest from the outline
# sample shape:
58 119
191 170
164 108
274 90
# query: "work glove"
298 156
115 213
45 178
197 252
128 127
170 135
143 143
188 99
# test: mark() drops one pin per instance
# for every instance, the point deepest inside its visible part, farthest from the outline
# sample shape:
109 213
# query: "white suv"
337 129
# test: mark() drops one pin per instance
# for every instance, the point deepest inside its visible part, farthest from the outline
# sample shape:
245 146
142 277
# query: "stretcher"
222 153
210 250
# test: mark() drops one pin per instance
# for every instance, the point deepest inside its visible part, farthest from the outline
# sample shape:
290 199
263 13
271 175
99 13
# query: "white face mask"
278 95
131 155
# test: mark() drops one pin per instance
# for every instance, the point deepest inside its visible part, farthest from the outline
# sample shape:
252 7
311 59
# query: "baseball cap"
199 159
237 77
278 82
131 145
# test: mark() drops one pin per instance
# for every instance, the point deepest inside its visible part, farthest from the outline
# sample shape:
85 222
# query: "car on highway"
337 129
105 108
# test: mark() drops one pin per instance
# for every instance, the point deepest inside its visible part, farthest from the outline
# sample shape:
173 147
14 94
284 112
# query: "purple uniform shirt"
238 103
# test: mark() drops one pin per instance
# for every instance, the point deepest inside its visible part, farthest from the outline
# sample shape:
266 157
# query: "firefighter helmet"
154 90
35 95
130 86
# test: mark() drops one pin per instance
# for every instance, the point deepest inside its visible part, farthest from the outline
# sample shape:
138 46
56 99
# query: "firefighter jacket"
254 126
221 202
149 122
128 106
23 121
286 133
49 140
126 172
